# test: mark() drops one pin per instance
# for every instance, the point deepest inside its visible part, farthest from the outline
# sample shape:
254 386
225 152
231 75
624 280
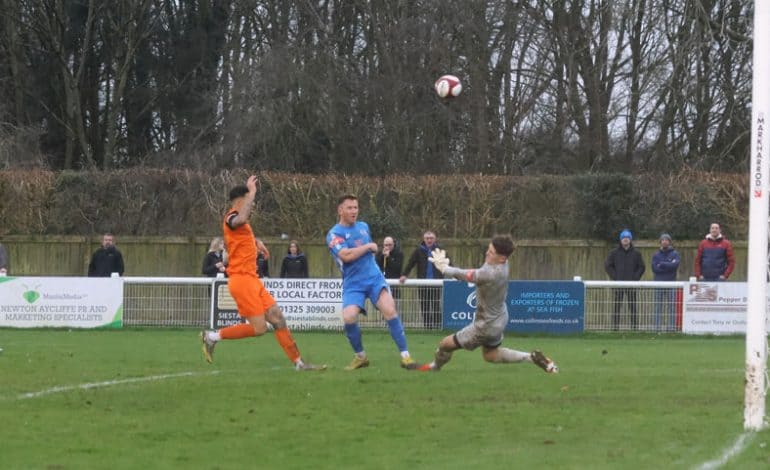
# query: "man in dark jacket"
390 260
106 260
263 255
4 261
715 260
430 297
665 263
624 263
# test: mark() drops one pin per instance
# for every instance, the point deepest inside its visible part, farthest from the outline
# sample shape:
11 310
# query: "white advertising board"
306 303
714 308
71 302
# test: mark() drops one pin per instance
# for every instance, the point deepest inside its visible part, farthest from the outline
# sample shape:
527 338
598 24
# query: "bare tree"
66 33
551 86
128 25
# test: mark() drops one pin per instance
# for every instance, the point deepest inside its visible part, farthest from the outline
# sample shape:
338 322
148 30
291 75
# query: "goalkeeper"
491 312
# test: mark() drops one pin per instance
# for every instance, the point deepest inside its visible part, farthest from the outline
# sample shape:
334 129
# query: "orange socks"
245 330
284 338
241 330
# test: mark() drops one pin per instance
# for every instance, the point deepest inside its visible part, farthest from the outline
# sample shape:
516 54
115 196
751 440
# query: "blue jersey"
362 271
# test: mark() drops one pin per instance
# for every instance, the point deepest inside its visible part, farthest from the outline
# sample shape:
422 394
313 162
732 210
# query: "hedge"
150 202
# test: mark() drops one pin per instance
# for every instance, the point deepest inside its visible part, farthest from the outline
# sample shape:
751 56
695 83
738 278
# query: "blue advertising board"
459 304
554 307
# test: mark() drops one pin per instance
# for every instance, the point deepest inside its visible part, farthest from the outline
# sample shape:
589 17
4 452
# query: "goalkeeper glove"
439 259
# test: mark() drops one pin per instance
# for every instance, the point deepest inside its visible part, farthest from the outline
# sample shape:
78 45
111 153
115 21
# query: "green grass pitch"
145 399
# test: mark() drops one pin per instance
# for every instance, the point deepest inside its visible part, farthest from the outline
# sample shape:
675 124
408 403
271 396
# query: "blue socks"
397 333
353 332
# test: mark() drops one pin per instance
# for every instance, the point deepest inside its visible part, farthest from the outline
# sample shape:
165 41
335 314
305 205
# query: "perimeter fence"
609 305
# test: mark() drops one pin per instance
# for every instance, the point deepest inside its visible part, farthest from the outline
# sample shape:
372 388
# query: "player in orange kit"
255 304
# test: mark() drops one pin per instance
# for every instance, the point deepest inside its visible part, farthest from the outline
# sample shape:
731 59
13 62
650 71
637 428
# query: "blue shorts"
357 295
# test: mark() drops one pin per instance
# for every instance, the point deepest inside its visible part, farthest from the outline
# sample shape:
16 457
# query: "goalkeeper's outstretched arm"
441 262
468 275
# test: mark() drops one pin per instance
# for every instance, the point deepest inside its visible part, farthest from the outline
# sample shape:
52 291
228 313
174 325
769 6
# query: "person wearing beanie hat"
626 234
665 263
624 263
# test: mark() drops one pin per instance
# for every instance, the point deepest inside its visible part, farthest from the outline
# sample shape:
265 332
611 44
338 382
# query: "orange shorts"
250 295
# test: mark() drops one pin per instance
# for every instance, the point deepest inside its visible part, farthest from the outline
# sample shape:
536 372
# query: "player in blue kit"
352 248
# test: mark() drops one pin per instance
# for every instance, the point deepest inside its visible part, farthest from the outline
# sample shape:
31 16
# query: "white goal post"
756 330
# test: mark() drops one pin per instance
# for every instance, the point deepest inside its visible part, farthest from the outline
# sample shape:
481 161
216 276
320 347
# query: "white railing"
167 301
658 306
186 302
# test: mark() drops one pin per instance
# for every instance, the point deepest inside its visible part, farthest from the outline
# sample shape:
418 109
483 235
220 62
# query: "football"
448 86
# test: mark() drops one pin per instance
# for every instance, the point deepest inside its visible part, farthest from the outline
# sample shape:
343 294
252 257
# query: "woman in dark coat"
214 262
295 262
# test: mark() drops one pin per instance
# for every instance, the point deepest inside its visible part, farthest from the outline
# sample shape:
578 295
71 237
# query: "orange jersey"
241 248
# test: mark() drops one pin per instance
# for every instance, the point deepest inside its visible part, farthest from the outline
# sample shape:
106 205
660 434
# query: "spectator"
715 260
107 259
263 255
430 297
214 261
294 263
390 260
624 263
665 263
5 261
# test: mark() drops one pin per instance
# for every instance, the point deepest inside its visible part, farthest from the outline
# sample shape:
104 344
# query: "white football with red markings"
448 86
